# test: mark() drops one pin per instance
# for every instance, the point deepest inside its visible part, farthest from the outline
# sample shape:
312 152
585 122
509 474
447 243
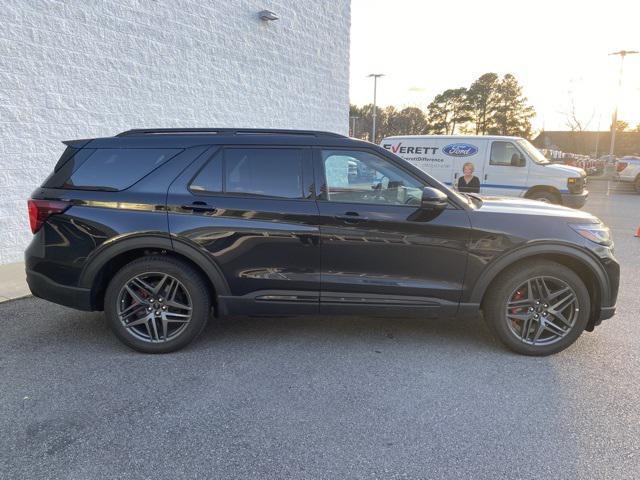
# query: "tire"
520 285
544 196
166 324
636 184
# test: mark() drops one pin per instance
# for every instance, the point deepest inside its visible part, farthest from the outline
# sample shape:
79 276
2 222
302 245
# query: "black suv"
160 228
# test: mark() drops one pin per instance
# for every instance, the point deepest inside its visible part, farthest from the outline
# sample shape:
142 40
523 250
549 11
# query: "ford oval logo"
460 150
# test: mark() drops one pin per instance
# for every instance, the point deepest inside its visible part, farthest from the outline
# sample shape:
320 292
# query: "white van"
506 166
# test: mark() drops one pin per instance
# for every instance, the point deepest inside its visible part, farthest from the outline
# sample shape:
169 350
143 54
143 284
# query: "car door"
506 171
381 253
252 210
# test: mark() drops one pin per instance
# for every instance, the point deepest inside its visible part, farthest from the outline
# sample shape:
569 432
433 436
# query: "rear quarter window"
116 168
67 164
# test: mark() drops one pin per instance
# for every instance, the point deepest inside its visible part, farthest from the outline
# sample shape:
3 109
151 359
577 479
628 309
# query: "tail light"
621 166
40 210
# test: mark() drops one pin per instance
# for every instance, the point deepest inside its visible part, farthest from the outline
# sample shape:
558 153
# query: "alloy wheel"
542 310
154 307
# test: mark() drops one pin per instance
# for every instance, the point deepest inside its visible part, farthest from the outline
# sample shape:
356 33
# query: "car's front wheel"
157 304
544 196
537 308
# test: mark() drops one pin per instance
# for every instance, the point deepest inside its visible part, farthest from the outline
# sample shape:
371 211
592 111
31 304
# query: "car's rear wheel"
537 308
637 184
157 304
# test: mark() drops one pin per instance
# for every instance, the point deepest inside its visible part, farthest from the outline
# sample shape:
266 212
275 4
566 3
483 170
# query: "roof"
190 137
224 131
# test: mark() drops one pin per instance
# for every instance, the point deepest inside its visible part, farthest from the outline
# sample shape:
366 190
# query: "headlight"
596 232
575 184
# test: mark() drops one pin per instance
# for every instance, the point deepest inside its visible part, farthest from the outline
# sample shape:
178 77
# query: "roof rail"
224 131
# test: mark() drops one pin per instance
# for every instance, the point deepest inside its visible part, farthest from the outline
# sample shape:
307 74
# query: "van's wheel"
537 307
544 196
637 184
157 304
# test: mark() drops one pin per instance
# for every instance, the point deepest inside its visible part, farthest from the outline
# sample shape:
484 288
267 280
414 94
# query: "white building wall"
81 69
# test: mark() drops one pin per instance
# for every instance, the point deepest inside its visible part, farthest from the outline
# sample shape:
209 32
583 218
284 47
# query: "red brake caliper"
519 295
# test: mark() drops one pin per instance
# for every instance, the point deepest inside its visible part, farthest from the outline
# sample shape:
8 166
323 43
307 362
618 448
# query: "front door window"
505 154
362 177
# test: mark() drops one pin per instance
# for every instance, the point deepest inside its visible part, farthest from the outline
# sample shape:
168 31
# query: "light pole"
614 120
598 136
353 126
373 115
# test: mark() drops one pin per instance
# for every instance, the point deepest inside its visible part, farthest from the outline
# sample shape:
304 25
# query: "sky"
558 50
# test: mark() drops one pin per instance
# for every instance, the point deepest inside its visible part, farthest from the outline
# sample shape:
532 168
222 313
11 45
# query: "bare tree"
575 121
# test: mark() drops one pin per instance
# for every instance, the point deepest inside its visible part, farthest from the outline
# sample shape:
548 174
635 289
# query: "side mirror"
433 199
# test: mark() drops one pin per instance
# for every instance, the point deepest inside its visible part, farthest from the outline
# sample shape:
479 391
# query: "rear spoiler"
77 143
72 147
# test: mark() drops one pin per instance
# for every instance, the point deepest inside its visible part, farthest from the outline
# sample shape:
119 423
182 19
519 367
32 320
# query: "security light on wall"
268 15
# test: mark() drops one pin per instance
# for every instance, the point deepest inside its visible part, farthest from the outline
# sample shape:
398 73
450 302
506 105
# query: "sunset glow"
559 51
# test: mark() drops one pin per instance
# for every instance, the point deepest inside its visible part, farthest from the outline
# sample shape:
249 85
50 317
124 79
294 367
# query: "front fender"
529 250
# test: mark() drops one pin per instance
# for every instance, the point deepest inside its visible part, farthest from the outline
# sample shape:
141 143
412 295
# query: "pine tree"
482 101
512 114
449 110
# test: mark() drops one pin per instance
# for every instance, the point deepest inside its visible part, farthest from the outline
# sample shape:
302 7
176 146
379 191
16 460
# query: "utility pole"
598 136
353 126
614 120
373 115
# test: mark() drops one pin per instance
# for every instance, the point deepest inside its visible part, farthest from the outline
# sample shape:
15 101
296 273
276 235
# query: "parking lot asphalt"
324 397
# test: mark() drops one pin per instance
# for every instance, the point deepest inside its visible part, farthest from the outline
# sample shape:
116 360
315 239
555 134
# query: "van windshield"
533 153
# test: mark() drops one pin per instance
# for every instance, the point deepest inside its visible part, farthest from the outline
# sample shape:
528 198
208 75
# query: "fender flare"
584 257
544 188
119 245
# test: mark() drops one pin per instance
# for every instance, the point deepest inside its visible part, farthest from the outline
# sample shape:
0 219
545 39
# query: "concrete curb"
13 282
14 299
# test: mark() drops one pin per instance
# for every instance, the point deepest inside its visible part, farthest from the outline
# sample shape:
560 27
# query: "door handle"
200 207
350 217
485 176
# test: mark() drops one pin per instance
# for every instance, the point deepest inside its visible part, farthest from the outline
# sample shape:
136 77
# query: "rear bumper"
575 200
45 288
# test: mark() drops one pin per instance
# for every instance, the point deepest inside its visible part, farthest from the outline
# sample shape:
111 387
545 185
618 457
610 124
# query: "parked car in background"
159 228
506 166
628 169
608 158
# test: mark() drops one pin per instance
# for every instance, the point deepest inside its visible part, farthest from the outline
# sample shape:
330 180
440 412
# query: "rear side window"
117 168
271 172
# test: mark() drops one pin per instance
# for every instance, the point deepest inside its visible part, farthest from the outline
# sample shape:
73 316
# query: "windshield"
533 153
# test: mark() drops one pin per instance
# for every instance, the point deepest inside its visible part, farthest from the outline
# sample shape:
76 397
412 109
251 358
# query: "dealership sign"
416 150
